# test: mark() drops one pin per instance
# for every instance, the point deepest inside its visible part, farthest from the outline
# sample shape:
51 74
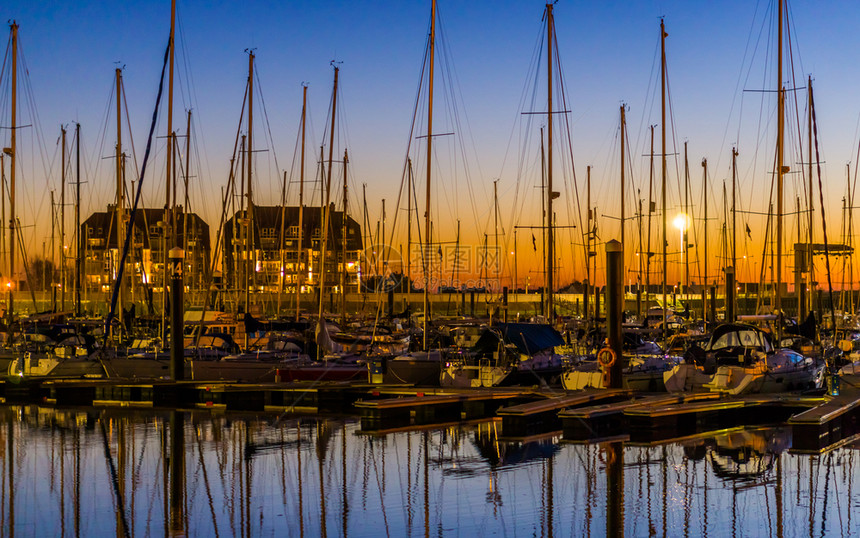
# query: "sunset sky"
486 78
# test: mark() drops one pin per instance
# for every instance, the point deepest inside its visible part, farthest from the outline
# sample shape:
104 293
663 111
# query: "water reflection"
112 472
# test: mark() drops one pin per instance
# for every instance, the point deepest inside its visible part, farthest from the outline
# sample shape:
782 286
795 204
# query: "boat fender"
606 357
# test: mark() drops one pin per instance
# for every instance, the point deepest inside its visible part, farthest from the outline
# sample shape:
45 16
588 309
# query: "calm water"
149 473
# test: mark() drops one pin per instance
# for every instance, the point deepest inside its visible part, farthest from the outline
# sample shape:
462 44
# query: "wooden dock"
817 422
650 423
442 406
540 416
826 424
599 421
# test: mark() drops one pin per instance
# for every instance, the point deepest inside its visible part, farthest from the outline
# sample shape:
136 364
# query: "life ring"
606 357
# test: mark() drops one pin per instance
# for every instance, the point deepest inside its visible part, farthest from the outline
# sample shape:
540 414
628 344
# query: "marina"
340 339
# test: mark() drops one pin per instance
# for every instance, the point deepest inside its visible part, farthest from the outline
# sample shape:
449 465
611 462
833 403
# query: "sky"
718 55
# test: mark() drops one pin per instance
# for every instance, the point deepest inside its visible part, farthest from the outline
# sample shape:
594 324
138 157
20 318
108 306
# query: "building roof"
146 222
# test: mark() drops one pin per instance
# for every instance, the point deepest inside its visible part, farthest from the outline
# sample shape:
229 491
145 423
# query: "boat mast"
705 227
651 206
119 205
734 221
809 249
327 196
663 35
62 249
432 45
283 272
186 201
550 255
343 236
781 170
409 225
79 243
298 265
588 236
251 239
734 208
684 251
12 159
167 176
496 228
623 133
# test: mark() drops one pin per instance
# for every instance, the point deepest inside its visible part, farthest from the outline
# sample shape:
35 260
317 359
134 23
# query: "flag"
749 232
534 242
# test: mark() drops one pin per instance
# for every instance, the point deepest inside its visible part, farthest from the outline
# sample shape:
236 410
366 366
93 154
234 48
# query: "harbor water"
119 472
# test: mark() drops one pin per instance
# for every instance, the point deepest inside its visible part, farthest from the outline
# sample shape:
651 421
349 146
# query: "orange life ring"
606 357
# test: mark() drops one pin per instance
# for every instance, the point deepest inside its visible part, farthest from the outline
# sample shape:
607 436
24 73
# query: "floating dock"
818 422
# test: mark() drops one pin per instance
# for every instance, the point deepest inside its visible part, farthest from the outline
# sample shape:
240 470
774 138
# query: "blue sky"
608 52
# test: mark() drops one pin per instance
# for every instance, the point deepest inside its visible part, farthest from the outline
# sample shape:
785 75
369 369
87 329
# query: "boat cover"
529 338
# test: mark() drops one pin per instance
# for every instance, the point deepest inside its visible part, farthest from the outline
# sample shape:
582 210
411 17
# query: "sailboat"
741 358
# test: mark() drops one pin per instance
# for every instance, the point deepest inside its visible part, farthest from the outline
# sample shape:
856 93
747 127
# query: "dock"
818 422
540 416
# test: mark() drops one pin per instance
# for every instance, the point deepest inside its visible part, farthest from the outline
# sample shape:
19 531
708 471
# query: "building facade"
262 252
144 269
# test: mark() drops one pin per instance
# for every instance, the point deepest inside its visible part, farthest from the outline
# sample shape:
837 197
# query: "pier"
817 422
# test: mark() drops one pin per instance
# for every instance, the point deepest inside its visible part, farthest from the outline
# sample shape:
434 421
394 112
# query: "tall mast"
63 224
663 35
53 257
705 227
735 219
299 268
496 226
282 260
119 205
165 241
734 208
651 206
685 252
588 235
12 160
409 225
343 236
780 170
79 244
809 248
252 254
243 231
623 127
550 255
327 196
185 204
432 45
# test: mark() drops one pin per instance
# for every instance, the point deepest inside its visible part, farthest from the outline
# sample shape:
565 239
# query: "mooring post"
730 294
713 304
585 298
614 457
638 303
505 304
177 307
614 308
177 473
390 302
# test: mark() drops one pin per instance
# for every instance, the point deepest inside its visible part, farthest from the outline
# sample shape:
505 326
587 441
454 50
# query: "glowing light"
681 221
